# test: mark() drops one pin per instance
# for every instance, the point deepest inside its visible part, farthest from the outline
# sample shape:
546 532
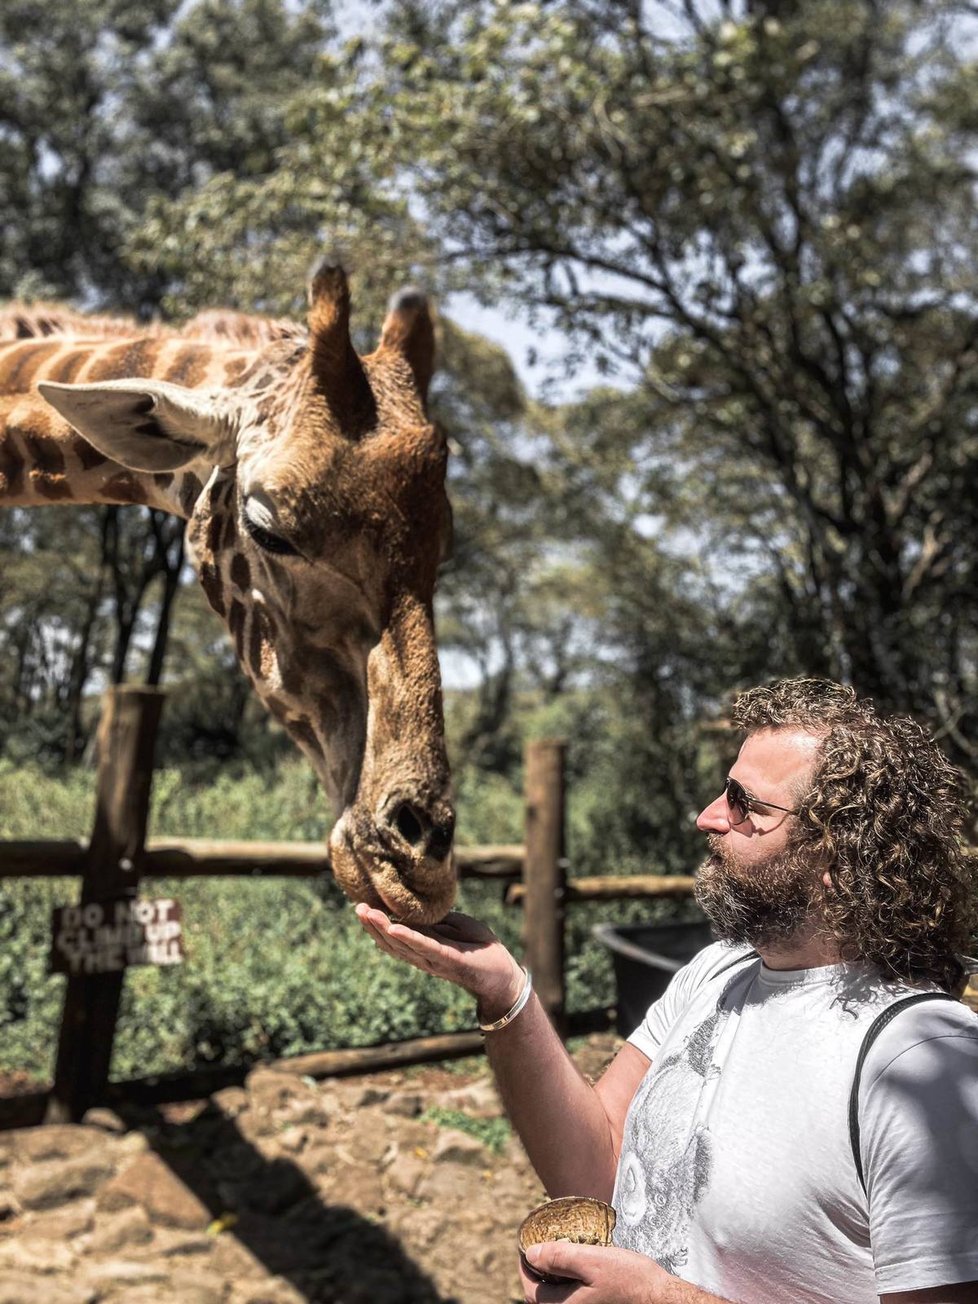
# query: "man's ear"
148 425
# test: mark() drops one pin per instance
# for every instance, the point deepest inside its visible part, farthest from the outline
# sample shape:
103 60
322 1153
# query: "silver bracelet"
519 1004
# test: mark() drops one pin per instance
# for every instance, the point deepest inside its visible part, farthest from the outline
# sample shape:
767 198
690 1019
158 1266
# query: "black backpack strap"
732 964
738 959
875 1028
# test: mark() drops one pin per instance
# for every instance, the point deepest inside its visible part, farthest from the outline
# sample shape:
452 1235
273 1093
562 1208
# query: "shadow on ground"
330 1254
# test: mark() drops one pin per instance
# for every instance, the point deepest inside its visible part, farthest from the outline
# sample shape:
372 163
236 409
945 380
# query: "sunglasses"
742 803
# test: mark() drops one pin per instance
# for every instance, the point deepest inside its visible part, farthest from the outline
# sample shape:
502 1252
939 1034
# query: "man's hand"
459 949
603 1275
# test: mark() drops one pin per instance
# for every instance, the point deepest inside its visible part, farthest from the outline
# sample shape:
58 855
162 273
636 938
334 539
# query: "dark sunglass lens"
737 800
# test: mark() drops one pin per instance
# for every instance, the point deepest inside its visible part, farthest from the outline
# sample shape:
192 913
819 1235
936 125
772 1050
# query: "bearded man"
723 1132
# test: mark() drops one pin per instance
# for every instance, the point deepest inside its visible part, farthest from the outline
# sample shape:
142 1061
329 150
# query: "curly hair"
884 815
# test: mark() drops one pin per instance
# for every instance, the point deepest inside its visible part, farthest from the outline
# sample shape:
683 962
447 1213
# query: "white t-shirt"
736 1169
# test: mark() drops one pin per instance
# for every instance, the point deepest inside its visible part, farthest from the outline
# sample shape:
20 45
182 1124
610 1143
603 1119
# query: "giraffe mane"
26 321
23 321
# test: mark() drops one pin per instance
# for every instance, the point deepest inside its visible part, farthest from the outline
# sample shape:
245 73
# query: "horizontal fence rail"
613 888
212 858
31 1108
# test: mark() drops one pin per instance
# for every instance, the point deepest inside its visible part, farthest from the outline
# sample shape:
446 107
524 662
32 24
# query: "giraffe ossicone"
313 485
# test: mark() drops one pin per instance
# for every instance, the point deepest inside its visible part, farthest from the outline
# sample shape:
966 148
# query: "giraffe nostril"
409 824
423 831
440 840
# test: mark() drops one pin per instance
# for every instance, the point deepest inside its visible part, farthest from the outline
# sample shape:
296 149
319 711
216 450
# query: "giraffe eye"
267 541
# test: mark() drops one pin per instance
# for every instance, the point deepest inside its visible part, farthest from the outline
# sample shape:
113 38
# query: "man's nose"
715 817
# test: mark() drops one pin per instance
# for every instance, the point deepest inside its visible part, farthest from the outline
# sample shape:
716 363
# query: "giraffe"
313 486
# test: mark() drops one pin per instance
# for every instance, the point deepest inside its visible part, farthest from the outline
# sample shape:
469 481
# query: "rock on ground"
369 1190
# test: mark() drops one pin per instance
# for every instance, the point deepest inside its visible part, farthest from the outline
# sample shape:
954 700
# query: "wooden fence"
119 857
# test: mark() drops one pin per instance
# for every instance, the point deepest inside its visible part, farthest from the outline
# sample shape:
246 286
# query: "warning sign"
109 936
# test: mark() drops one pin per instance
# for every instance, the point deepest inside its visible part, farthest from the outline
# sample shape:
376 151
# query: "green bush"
275 967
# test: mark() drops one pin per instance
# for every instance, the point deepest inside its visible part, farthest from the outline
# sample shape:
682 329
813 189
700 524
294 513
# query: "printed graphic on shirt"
662 1177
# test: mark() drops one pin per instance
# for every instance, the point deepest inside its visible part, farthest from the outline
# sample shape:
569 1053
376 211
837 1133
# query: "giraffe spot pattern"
45 454
53 487
240 572
236 623
210 582
190 490
110 362
28 361
67 367
88 457
133 358
11 469
302 731
188 367
261 653
123 488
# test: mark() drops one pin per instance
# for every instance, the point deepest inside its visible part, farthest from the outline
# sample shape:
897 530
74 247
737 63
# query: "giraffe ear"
409 330
146 425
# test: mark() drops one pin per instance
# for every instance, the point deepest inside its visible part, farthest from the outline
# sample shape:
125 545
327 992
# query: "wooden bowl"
576 1218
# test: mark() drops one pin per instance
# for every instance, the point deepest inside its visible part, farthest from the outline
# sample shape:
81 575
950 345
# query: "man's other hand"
603 1275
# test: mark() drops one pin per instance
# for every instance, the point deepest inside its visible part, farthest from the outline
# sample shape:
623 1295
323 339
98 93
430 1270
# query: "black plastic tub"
645 957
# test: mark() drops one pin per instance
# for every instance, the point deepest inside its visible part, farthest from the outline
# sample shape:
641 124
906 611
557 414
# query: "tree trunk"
172 559
80 669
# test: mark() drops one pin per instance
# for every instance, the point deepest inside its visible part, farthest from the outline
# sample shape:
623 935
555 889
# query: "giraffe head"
317 524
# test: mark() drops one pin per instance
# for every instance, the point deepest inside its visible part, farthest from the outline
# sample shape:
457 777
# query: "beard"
764 903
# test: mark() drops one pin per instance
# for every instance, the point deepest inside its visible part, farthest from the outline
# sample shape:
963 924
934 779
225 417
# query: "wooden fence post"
126 737
545 874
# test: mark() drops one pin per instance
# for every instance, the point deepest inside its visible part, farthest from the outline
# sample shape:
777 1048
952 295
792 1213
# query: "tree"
764 217
107 106
53 635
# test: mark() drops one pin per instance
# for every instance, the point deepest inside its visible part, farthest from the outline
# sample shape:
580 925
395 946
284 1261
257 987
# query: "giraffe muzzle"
400 860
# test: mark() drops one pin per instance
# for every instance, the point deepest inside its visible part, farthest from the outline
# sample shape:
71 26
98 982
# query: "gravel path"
355 1191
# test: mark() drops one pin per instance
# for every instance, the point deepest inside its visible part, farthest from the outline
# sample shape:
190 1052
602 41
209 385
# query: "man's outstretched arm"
570 1129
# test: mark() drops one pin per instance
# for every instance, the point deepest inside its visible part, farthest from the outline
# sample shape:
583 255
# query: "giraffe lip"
395 904
365 887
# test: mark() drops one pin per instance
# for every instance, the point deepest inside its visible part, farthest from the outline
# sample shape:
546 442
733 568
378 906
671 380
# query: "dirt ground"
401 1187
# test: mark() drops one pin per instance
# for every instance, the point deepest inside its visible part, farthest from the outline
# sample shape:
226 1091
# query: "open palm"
460 949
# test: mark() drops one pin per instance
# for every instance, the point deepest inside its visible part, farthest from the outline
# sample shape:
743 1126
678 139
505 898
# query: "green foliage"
109 106
494 1133
274 967
33 806
223 1005
278 804
30 998
108 109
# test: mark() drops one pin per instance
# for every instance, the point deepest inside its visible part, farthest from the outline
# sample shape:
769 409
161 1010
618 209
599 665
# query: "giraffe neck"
43 461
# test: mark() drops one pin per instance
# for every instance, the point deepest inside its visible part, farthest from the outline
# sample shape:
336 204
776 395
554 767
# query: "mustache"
718 849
